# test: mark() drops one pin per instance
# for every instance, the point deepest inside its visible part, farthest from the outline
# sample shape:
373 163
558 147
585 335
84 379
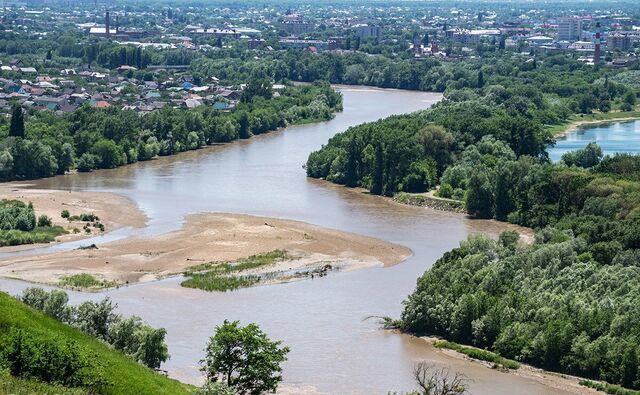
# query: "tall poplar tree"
16 128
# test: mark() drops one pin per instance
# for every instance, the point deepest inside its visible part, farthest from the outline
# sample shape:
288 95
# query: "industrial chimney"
107 24
596 54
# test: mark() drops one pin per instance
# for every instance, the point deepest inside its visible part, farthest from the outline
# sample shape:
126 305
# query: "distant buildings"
254 43
295 24
368 31
465 36
292 43
108 31
212 32
296 27
619 42
569 29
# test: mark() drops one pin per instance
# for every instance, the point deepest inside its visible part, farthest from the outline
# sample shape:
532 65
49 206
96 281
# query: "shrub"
54 360
445 191
65 214
82 280
131 335
43 221
87 162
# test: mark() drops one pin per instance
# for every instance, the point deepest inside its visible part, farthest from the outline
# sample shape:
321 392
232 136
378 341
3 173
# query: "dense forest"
555 304
45 144
566 303
513 102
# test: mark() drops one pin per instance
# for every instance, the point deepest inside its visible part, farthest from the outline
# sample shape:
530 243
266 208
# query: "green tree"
244 358
438 144
377 182
16 127
586 157
152 349
257 87
480 194
503 199
243 121
351 166
108 154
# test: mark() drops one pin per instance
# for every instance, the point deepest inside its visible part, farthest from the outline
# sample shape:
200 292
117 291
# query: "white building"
365 31
569 29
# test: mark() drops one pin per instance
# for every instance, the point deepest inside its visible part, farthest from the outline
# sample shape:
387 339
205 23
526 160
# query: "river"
611 137
333 348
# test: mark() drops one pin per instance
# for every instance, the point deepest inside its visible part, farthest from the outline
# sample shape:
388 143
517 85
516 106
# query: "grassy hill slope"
125 375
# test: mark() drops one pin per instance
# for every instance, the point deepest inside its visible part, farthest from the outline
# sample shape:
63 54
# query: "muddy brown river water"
333 348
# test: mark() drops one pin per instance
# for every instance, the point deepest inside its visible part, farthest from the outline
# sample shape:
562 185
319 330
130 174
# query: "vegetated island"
286 250
66 215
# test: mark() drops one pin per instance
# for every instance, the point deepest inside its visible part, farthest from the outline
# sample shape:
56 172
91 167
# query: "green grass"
478 353
40 234
84 280
613 389
437 203
125 375
219 276
214 282
16 386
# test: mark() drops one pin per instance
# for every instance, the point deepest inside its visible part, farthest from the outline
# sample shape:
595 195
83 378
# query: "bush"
43 221
65 214
215 388
54 360
87 162
131 335
445 191
95 318
16 215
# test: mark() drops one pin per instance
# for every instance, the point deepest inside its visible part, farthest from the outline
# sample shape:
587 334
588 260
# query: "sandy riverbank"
573 126
554 381
114 211
205 238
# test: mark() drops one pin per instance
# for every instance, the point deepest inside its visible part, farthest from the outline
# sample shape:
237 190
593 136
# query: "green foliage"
123 374
16 215
56 360
91 138
586 157
24 386
215 388
16 127
84 280
130 335
608 388
151 348
244 358
18 225
43 221
477 353
540 304
219 276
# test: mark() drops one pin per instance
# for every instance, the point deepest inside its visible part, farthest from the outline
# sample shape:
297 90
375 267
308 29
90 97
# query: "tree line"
565 303
44 144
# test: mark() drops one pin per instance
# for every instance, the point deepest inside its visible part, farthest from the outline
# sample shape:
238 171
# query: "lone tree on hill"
244 359
16 128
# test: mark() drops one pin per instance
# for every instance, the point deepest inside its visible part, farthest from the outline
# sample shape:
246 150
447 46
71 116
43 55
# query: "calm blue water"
612 138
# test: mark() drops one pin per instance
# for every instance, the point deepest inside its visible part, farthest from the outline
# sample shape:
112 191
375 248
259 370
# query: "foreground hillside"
124 376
